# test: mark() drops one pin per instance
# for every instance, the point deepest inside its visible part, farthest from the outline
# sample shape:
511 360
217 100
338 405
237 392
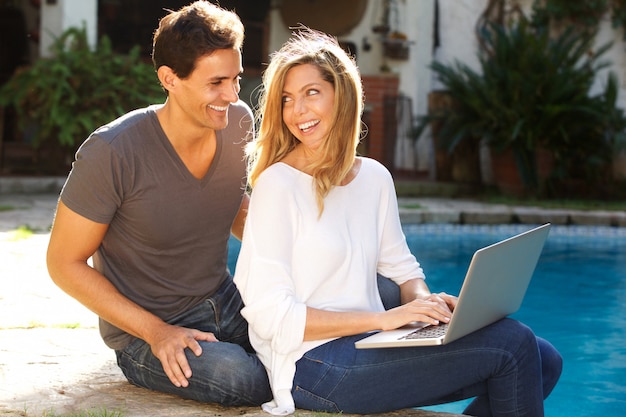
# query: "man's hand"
169 344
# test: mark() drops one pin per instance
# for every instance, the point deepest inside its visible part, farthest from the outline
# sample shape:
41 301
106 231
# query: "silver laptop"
494 287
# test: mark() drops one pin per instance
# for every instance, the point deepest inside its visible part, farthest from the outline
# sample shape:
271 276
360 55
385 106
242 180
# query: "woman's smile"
308 126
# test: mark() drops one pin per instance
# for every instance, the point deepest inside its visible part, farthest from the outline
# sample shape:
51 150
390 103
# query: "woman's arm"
418 304
417 289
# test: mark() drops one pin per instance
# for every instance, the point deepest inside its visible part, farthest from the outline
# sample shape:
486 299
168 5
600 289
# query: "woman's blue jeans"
228 372
505 366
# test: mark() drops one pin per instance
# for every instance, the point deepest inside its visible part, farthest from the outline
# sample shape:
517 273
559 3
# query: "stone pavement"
52 359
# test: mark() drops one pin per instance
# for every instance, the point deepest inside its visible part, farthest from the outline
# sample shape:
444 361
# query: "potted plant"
64 98
589 167
530 97
396 46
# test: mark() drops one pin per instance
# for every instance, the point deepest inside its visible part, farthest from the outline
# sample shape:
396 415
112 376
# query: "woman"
322 223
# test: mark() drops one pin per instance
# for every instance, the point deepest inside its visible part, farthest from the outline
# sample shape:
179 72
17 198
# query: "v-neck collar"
182 168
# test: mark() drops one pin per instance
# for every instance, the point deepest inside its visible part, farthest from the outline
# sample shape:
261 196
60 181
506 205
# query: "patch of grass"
40 325
412 206
87 413
21 233
67 326
6 208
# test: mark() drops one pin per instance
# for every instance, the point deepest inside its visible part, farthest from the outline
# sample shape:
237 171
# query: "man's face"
213 85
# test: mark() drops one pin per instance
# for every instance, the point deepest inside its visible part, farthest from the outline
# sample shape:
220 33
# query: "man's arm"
73 240
237 228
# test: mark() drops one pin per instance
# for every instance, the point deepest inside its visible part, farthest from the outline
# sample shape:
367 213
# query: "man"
153 197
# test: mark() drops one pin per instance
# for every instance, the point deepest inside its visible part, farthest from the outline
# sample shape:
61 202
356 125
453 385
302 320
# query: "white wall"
457 39
56 18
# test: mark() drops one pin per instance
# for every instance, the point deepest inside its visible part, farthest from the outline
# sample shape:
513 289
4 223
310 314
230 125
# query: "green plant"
21 233
532 91
68 96
586 13
87 413
592 148
618 15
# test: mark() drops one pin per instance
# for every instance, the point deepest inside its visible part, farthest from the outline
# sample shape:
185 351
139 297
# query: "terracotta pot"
465 166
507 177
619 165
440 101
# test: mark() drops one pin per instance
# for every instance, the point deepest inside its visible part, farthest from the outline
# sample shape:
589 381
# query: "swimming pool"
577 300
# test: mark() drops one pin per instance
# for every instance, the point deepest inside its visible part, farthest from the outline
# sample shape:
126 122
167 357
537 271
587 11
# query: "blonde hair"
336 155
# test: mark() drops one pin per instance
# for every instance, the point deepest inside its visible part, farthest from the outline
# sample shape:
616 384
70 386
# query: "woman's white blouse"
291 258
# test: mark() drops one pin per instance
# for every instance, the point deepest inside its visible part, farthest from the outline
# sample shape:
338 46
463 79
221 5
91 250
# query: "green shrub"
66 97
533 91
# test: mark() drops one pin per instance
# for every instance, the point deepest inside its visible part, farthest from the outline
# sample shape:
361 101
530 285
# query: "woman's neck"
300 158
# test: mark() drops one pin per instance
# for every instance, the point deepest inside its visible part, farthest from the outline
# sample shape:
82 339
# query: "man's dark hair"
194 31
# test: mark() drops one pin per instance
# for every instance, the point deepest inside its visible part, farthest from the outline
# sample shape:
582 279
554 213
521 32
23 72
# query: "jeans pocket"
309 401
134 360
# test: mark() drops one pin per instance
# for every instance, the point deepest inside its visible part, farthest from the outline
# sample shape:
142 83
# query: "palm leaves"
532 90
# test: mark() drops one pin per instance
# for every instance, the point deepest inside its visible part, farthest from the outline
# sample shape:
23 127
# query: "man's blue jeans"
228 372
505 366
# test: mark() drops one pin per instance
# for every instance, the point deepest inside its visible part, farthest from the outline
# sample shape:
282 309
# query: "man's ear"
167 77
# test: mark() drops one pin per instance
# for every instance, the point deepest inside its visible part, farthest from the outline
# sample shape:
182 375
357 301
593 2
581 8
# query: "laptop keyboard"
427 332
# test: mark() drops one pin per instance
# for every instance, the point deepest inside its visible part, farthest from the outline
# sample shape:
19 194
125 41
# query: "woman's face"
308 105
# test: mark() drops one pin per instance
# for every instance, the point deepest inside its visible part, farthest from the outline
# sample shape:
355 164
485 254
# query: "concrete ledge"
69 371
464 211
503 216
31 185
531 215
411 216
414 208
598 218
442 216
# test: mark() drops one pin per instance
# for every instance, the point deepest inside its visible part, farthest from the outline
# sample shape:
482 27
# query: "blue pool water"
577 300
